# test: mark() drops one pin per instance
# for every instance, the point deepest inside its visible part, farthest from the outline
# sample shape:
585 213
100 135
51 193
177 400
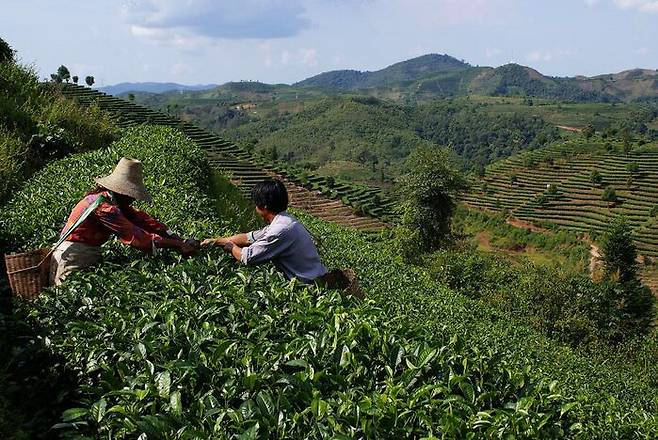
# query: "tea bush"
172 348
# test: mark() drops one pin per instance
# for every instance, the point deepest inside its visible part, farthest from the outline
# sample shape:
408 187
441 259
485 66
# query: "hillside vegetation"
376 136
365 133
434 76
38 124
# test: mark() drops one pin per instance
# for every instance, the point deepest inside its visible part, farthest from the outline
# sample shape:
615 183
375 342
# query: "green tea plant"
163 347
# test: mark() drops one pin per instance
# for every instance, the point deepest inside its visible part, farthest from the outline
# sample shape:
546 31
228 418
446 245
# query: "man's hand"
210 242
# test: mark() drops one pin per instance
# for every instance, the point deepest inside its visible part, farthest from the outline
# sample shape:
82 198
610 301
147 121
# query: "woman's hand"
188 248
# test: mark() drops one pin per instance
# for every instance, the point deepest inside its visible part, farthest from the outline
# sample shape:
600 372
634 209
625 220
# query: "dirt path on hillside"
484 239
595 258
569 128
512 221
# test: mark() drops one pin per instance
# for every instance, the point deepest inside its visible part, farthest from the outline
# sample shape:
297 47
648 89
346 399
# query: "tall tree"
428 192
75 79
634 302
63 72
89 80
6 52
620 253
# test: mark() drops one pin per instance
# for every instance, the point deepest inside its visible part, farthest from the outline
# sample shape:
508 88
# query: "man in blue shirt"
284 241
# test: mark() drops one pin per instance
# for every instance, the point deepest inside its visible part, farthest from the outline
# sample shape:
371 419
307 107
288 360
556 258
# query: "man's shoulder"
284 223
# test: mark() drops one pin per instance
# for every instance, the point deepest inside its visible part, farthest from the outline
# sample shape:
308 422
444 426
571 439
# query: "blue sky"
215 41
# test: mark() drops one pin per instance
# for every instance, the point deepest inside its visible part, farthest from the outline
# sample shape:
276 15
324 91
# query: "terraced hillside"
565 184
346 204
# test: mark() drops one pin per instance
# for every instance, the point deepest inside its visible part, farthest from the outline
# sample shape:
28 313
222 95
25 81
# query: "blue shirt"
288 245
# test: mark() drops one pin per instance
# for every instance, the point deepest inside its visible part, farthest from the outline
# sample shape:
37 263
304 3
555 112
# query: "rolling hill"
410 70
366 138
152 87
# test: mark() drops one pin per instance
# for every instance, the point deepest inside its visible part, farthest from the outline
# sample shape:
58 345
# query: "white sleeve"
256 235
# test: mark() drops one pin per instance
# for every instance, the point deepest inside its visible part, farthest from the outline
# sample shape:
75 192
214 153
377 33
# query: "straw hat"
127 179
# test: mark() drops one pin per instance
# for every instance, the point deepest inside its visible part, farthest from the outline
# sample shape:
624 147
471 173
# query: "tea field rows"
556 186
348 204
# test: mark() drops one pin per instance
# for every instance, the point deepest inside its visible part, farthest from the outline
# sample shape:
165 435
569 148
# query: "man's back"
287 243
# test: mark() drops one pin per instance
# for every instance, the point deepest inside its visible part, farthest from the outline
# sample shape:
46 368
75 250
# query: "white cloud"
591 2
549 55
305 57
639 5
642 51
178 38
180 22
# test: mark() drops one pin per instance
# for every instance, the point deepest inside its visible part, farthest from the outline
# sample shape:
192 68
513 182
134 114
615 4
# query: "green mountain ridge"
436 76
409 70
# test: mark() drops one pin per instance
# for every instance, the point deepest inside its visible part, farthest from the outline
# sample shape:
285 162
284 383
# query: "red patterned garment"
131 226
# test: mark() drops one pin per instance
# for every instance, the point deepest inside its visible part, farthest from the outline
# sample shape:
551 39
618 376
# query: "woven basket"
28 272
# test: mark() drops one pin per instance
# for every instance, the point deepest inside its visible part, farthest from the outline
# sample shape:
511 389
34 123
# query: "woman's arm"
132 235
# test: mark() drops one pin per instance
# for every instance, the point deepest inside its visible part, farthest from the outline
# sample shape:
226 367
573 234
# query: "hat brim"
125 188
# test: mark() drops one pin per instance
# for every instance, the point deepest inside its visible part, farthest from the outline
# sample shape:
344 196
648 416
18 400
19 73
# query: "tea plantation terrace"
555 186
349 205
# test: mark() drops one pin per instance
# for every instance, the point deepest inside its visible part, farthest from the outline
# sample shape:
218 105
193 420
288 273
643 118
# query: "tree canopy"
428 194
6 52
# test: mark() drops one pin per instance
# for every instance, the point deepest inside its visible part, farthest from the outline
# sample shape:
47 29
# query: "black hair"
270 194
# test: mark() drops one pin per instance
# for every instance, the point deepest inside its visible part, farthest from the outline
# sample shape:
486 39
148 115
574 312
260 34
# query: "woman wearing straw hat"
106 211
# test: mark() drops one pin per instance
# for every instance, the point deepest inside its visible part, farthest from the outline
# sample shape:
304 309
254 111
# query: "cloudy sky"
215 41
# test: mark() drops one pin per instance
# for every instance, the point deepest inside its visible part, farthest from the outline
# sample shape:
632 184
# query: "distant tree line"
64 75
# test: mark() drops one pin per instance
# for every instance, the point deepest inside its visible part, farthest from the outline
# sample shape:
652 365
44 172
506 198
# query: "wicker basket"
28 272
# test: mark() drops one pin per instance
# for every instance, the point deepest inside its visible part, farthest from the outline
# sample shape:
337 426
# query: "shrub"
595 177
165 347
609 194
588 131
46 124
633 168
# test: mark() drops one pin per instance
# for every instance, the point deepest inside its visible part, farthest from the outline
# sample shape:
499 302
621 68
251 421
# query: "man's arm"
240 240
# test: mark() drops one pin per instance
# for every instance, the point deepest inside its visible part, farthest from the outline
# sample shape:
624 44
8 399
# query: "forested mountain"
422 79
437 76
361 125
513 79
370 137
404 71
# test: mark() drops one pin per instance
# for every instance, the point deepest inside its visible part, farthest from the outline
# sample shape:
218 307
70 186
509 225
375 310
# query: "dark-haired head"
270 194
